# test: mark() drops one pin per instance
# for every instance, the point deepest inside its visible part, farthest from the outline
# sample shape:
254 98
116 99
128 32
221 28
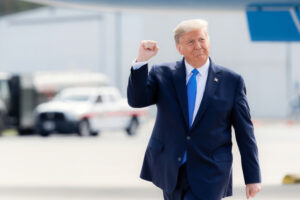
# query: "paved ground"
130 193
107 167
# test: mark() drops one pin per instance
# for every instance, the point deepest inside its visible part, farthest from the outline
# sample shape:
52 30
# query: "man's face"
194 46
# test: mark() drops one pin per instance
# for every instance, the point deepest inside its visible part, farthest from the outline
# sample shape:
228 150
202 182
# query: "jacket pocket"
222 157
155 145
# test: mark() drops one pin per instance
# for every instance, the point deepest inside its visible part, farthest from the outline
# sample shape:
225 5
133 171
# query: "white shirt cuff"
137 65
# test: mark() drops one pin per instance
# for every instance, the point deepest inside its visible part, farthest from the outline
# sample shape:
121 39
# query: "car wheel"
44 133
94 133
25 131
2 123
133 126
84 129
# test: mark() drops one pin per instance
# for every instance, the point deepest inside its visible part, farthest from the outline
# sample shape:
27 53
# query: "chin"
201 58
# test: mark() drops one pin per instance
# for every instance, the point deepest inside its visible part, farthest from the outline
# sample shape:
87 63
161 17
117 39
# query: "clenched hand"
147 50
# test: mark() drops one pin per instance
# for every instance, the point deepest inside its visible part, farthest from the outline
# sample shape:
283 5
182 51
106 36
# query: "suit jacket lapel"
179 81
213 80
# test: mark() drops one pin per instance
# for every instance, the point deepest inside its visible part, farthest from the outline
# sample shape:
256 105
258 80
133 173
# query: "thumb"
247 193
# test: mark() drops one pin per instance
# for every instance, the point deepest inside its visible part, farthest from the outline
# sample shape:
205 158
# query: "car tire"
44 133
133 126
25 131
2 123
94 133
84 129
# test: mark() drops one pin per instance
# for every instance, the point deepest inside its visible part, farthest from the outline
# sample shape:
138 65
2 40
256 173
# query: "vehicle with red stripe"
87 111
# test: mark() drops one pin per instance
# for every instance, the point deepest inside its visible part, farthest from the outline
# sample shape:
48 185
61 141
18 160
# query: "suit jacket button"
179 159
188 137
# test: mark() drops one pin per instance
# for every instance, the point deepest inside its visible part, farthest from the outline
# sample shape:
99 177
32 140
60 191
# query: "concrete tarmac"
107 167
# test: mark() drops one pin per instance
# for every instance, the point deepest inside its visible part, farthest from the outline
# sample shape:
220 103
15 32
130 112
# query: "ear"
179 49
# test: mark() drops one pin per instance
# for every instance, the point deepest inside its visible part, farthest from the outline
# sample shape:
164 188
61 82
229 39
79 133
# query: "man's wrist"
137 64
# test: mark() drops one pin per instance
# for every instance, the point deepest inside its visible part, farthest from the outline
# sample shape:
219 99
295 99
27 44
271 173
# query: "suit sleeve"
244 133
142 87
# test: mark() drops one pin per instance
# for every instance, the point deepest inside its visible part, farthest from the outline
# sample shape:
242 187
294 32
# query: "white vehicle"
87 111
21 93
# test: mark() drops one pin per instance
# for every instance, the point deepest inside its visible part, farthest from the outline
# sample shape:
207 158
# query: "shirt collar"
203 70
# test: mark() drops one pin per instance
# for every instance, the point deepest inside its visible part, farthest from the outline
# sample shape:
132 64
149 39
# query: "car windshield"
73 97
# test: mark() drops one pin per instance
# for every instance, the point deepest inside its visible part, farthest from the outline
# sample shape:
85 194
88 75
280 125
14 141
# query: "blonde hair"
188 26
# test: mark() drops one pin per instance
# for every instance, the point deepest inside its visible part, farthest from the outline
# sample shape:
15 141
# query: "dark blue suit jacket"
208 142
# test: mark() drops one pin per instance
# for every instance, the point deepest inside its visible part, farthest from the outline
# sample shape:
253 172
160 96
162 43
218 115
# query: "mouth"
198 53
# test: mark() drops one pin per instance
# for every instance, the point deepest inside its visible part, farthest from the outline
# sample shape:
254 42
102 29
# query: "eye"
190 42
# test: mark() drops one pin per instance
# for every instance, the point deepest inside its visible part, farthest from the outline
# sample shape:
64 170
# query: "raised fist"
147 50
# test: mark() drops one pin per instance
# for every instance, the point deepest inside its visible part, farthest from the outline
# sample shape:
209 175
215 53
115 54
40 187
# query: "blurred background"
66 129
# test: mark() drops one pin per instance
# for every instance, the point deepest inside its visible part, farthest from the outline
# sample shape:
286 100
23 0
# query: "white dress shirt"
201 82
200 78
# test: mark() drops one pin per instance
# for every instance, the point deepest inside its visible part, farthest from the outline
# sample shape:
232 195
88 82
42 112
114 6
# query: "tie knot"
195 72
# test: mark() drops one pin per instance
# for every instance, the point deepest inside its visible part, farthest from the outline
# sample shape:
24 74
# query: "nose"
198 45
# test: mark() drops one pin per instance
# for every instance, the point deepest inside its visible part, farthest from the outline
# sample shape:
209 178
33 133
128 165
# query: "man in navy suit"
189 153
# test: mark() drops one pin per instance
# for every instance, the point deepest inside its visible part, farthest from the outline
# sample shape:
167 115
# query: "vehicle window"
112 98
105 98
99 99
4 92
72 97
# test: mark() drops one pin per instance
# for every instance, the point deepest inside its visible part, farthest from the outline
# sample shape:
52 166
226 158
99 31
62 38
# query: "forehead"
197 33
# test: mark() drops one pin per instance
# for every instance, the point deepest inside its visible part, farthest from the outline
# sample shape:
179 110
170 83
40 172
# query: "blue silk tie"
191 93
